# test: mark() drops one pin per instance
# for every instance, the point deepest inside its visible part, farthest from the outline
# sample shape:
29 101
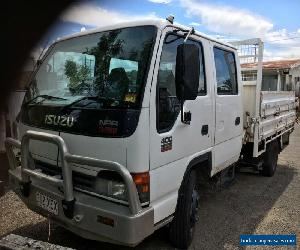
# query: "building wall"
295 79
269 82
276 80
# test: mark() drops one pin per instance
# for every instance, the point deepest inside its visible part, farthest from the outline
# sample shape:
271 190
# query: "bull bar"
27 170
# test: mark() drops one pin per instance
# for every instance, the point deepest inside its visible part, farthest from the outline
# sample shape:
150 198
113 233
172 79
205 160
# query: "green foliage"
108 46
70 69
78 75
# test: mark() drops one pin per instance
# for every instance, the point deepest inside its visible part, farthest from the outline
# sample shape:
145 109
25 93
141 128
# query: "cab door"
171 141
228 98
170 138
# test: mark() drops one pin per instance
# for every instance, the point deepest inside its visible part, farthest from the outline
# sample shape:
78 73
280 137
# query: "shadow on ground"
223 216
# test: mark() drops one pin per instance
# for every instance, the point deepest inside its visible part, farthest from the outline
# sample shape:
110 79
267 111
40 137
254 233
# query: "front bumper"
77 211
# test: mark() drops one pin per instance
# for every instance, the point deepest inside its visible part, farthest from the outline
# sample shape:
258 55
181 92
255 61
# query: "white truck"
119 122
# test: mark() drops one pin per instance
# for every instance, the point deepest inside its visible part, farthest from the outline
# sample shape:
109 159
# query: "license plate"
47 203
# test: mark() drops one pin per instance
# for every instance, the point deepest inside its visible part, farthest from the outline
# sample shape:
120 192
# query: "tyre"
270 159
181 229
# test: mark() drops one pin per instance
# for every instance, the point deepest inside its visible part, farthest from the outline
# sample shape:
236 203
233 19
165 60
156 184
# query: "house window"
249 75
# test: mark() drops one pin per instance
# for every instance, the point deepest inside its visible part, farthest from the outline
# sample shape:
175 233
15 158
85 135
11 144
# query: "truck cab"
117 122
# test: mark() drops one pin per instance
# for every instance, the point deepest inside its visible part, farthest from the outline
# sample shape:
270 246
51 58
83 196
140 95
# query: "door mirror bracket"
186 117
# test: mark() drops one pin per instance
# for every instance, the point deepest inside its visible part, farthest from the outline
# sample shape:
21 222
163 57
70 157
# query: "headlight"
111 185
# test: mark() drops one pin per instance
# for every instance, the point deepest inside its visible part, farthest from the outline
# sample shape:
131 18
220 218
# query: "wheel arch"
202 164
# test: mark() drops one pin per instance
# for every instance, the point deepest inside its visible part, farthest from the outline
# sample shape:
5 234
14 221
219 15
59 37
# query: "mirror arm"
191 31
181 106
181 111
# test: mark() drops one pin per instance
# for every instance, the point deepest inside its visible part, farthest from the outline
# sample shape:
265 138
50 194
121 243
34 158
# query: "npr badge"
166 144
108 127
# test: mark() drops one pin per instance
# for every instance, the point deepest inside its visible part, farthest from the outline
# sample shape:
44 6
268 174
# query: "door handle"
204 130
237 121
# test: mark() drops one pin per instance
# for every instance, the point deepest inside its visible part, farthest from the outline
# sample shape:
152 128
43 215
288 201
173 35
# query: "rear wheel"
270 159
181 229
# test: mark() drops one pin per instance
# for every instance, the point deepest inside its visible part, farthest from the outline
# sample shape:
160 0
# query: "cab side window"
168 106
225 72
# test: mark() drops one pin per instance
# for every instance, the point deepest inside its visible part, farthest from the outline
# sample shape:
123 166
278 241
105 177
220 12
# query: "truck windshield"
110 67
92 84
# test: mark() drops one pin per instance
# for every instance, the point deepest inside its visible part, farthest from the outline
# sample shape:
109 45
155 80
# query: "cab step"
224 179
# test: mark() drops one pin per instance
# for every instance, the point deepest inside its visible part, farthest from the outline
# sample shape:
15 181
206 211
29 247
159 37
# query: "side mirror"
187 76
187 72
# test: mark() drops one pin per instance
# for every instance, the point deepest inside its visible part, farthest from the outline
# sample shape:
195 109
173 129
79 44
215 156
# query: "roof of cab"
159 23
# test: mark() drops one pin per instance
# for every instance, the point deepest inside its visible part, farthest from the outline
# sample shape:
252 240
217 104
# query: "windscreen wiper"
46 97
94 98
81 99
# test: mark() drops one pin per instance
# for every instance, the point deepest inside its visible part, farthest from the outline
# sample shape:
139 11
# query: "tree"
78 75
108 46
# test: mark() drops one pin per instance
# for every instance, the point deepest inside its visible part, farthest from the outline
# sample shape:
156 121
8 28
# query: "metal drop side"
267 114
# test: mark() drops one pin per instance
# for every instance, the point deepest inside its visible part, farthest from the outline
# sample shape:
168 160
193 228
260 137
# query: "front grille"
83 181
80 180
47 168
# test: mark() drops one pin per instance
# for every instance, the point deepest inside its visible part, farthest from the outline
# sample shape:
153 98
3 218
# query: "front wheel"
181 229
270 159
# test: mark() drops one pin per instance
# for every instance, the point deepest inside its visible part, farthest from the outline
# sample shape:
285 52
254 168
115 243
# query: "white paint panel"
164 207
228 108
111 149
43 151
226 153
249 101
167 179
138 145
165 183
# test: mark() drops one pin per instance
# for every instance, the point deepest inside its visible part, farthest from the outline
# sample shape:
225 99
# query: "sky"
275 21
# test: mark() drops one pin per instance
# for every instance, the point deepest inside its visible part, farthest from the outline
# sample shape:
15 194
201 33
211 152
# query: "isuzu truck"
119 123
